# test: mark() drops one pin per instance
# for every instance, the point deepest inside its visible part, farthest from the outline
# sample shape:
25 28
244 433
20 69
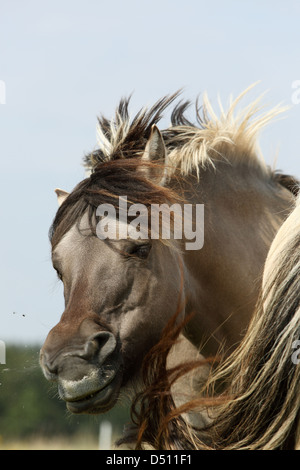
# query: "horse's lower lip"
97 402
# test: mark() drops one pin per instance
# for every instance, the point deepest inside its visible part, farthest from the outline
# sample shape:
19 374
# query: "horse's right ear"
61 195
155 152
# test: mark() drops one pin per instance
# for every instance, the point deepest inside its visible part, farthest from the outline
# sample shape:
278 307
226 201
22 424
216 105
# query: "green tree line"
30 406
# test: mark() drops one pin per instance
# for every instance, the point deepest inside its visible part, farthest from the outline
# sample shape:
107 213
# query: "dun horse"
120 293
260 409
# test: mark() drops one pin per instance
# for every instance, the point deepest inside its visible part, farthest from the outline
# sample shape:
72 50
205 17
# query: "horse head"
119 293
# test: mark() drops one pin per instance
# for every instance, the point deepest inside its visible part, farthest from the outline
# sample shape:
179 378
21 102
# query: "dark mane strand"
178 114
127 139
289 182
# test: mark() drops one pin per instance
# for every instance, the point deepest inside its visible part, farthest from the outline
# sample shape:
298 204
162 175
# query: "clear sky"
64 62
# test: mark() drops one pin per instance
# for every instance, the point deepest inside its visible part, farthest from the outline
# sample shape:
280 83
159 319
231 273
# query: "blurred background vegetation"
31 413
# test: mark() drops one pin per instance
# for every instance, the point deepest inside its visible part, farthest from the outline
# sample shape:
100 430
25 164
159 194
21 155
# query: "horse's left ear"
156 152
61 195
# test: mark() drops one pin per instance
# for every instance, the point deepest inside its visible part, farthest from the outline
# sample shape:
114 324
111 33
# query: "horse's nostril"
101 345
90 349
69 362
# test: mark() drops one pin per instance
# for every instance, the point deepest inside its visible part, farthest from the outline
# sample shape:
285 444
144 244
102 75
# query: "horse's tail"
260 408
264 409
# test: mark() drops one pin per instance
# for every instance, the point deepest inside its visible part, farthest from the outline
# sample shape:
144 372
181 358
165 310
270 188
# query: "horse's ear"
155 152
61 195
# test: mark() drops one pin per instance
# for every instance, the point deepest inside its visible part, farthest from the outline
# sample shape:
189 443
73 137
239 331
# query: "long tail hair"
260 406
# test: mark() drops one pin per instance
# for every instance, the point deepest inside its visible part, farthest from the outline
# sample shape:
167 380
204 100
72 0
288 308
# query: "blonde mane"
230 136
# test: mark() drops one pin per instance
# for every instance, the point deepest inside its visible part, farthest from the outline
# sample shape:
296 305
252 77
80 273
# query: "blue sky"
65 62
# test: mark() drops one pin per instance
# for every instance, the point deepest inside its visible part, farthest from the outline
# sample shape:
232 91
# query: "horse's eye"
140 251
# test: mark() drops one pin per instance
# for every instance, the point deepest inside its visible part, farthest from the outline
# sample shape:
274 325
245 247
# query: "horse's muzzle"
88 375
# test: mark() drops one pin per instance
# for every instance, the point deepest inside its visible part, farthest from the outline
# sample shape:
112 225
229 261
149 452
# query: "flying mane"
191 148
232 136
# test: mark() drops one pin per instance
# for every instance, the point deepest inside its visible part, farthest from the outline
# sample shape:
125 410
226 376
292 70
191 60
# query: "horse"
119 291
260 407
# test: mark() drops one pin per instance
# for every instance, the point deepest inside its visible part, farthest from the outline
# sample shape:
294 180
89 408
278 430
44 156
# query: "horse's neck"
242 215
